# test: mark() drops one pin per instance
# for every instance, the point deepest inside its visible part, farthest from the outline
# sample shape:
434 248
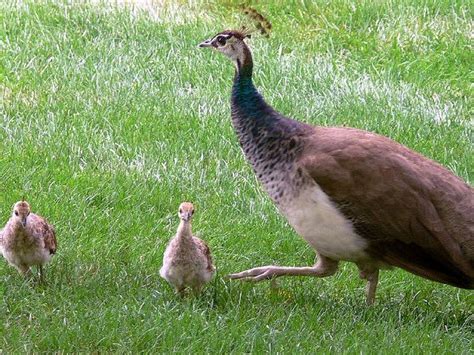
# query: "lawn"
110 117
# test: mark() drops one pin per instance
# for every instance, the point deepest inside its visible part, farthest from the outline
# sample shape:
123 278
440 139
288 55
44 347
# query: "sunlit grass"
110 116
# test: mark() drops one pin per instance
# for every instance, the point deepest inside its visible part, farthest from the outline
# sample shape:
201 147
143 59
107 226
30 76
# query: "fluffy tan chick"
187 261
27 239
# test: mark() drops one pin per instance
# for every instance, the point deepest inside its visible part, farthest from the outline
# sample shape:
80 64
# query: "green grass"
110 117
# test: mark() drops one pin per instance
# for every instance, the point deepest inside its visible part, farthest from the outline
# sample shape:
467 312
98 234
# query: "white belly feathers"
316 218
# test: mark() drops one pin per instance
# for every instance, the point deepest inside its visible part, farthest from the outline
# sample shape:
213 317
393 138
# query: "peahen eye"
221 40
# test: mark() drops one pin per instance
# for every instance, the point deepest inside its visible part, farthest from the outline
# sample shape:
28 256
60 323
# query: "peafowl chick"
187 261
27 239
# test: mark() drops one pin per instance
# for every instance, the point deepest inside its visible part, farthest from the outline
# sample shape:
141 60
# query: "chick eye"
192 212
221 40
16 213
180 210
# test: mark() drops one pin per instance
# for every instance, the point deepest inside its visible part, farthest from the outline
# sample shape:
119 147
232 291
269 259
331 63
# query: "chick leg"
41 273
180 290
197 289
23 269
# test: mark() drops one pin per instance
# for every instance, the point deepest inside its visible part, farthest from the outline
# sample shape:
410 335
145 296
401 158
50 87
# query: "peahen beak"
206 43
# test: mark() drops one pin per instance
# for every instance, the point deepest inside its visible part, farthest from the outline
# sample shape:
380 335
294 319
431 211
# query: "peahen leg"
323 267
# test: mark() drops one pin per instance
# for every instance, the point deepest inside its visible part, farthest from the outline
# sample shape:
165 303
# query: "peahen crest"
259 22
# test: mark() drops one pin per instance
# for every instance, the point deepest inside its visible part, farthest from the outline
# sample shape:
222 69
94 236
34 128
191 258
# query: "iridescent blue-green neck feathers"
270 141
251 115
247 103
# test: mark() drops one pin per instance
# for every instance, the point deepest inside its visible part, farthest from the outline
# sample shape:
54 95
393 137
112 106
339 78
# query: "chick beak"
23 221
206 43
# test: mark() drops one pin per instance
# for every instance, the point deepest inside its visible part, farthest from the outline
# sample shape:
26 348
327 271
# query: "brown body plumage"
413 213
351 194
27 239
187 260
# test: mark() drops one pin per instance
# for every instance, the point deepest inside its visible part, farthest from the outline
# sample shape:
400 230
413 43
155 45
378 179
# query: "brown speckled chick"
27 239
187 260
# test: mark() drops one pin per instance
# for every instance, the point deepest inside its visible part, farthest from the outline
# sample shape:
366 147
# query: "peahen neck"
248 106
251 115
269 140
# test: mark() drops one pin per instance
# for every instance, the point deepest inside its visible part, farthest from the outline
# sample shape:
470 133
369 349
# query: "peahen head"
231 43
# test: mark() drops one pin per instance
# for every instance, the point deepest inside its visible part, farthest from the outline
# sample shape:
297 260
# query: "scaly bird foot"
257 274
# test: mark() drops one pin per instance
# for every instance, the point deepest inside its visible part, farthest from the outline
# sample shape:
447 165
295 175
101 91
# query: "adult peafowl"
351 194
